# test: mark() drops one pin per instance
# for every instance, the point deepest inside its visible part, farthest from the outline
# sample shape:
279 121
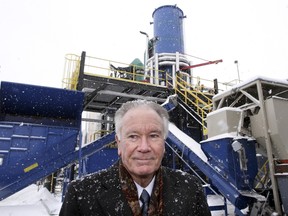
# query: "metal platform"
102 93
104 90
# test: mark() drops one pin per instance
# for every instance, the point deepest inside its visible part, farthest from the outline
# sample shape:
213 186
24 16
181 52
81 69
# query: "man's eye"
132 137
154 135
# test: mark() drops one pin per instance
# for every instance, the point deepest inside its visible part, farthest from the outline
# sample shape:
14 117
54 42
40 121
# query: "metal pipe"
147 47
269 149
236 62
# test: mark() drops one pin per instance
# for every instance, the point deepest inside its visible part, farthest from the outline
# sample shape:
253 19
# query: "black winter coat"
101 194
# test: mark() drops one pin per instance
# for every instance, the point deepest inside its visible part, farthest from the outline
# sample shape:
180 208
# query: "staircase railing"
262 177
201 102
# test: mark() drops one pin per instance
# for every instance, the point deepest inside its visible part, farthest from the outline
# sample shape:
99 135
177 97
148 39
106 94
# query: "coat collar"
112 199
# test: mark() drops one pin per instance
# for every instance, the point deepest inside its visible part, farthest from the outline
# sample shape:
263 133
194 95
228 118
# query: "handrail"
191 96
95 66
183 88
71 71
262 178
193 92
72 66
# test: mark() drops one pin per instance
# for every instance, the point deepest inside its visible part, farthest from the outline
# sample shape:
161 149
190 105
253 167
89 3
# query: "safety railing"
199 99
71 71
107 68
262 176
192 96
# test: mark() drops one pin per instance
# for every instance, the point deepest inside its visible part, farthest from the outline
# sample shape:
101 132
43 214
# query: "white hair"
162 112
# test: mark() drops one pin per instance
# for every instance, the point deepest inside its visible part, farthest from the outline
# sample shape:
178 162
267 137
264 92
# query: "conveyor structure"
39 133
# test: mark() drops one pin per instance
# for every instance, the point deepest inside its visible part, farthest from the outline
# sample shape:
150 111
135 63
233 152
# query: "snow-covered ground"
31 201
38 201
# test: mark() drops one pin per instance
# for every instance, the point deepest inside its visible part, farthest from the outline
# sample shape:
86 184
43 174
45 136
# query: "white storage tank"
223 121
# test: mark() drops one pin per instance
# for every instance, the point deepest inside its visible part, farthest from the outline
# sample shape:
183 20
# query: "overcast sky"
36 35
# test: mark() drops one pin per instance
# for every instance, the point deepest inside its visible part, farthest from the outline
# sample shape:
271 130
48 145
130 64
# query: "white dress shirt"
149 189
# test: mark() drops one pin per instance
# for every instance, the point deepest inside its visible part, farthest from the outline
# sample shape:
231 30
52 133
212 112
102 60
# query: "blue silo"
166 54
168 29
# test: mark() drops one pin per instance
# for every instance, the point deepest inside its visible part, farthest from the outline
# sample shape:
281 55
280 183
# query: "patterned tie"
145 198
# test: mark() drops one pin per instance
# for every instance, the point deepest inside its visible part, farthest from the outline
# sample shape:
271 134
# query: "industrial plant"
232 136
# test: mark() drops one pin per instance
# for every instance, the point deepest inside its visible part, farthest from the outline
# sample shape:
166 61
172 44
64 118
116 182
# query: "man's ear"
118 144
117 139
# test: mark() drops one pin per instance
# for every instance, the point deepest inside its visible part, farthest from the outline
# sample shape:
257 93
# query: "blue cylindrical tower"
168 29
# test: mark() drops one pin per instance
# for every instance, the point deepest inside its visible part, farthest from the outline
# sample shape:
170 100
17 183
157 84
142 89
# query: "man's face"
141 147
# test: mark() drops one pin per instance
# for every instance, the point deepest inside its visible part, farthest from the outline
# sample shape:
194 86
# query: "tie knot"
145 197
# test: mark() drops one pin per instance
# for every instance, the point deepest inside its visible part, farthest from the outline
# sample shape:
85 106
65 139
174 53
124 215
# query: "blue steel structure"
168 29
221 182
221 154
38 126
166 49
39 130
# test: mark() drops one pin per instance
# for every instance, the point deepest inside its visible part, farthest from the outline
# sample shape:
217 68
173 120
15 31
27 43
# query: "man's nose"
144 144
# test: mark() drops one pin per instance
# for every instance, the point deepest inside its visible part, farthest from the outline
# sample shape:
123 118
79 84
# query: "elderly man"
137 184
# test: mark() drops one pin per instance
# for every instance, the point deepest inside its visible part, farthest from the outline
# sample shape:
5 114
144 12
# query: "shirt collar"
149 187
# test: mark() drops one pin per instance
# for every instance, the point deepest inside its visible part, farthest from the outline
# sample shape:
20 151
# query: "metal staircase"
197 101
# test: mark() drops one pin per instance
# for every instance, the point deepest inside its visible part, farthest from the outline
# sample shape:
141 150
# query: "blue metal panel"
28 155
101 160
87 151
40 105
168 29
14 177
222 156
